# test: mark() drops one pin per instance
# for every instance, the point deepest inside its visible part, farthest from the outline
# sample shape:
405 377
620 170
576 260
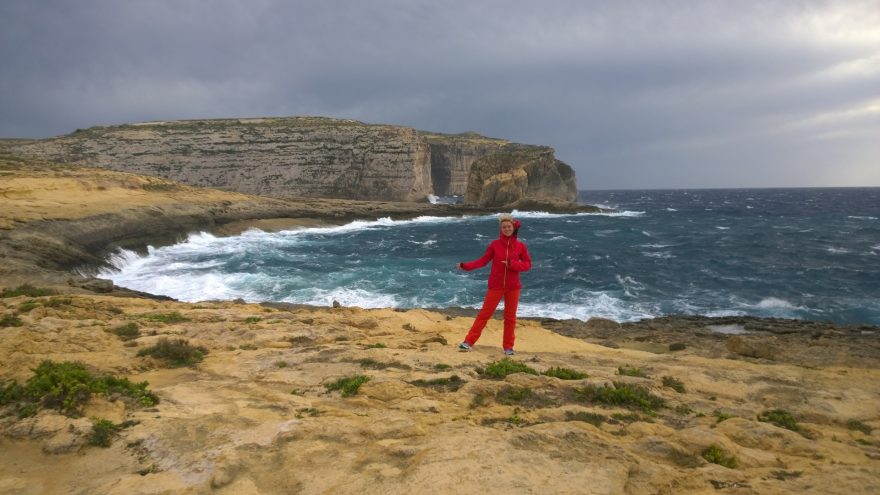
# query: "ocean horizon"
802 253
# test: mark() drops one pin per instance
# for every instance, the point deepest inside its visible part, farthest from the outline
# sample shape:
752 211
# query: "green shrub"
586 417
450 384
27 290
716 455
720 416
129 331
67 386
28 306
780 418
252 319
677 346
442 367
378 345
504 367
637 372
56 302
103 431
349 385
565 374
10 321
621 394
177 352
174 317
674 384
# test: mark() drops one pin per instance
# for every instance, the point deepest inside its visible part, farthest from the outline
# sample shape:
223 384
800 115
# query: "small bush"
716 455
10 321
27 290
129 331
587 417
565 374
674 384
176 353
67 387
378 345
720 416
677 346
103 431
57 302
174 317
28 306
637 372
450 384
252 319
349 385
780 418
621 394
507 366
442 367
311 411
281 364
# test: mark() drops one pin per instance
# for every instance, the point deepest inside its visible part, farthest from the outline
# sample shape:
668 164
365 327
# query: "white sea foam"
425 243
560 238
837 250
433 199
722 228
671 209
599 305
662 254
776 303
855 217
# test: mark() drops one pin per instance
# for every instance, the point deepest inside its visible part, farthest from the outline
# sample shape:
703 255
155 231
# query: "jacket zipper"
506 257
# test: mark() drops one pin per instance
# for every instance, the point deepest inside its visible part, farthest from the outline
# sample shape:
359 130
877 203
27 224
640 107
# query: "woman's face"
507 229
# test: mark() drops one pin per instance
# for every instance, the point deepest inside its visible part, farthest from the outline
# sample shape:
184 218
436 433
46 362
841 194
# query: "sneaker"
509 352
464 346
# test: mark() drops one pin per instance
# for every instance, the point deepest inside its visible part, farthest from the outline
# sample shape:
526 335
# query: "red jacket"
503 276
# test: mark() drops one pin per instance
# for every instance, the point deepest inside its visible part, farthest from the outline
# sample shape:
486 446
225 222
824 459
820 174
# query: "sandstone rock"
750 348
520 173
302 157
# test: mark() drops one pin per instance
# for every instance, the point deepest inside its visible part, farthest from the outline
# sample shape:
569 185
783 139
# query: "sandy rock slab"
345 400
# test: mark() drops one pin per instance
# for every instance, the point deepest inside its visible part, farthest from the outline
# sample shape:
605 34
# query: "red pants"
493 297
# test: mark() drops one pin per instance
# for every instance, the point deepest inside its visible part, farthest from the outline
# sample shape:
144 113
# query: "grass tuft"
637 372
621 394
174 317
27 290
450 384
176 353
129 331
720 416
103 431
674 384
348 385
67 386
716 455
855 424
780 418
252 319
442 367
10 321
565 374
504 367
378 345
586 417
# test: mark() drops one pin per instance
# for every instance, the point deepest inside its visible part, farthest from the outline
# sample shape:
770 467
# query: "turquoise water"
796 253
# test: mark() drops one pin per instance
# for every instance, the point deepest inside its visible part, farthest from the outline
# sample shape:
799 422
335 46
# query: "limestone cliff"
520 174
300 157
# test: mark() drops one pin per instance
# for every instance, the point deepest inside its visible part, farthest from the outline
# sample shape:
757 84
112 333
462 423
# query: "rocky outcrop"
299 157
520 174
452 157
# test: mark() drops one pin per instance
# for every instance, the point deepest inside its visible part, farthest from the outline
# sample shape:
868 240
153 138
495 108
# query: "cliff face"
280 157
297 157
520 174
452 157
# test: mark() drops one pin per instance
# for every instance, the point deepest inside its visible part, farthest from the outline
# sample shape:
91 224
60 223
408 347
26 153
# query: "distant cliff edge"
321 158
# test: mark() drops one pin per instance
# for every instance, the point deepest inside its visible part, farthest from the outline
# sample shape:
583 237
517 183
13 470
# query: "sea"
809 254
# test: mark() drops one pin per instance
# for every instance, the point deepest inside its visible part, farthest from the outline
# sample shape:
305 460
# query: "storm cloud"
632 94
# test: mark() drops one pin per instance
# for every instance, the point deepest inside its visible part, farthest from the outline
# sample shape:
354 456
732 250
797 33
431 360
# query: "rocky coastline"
295 399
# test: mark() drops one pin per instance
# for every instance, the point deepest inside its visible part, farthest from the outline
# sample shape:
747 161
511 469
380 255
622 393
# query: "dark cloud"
630 93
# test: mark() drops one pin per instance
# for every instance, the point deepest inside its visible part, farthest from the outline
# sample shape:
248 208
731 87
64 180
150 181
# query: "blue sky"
632 94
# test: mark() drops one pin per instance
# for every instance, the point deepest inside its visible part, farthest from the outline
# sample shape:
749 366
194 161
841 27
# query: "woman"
509 257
